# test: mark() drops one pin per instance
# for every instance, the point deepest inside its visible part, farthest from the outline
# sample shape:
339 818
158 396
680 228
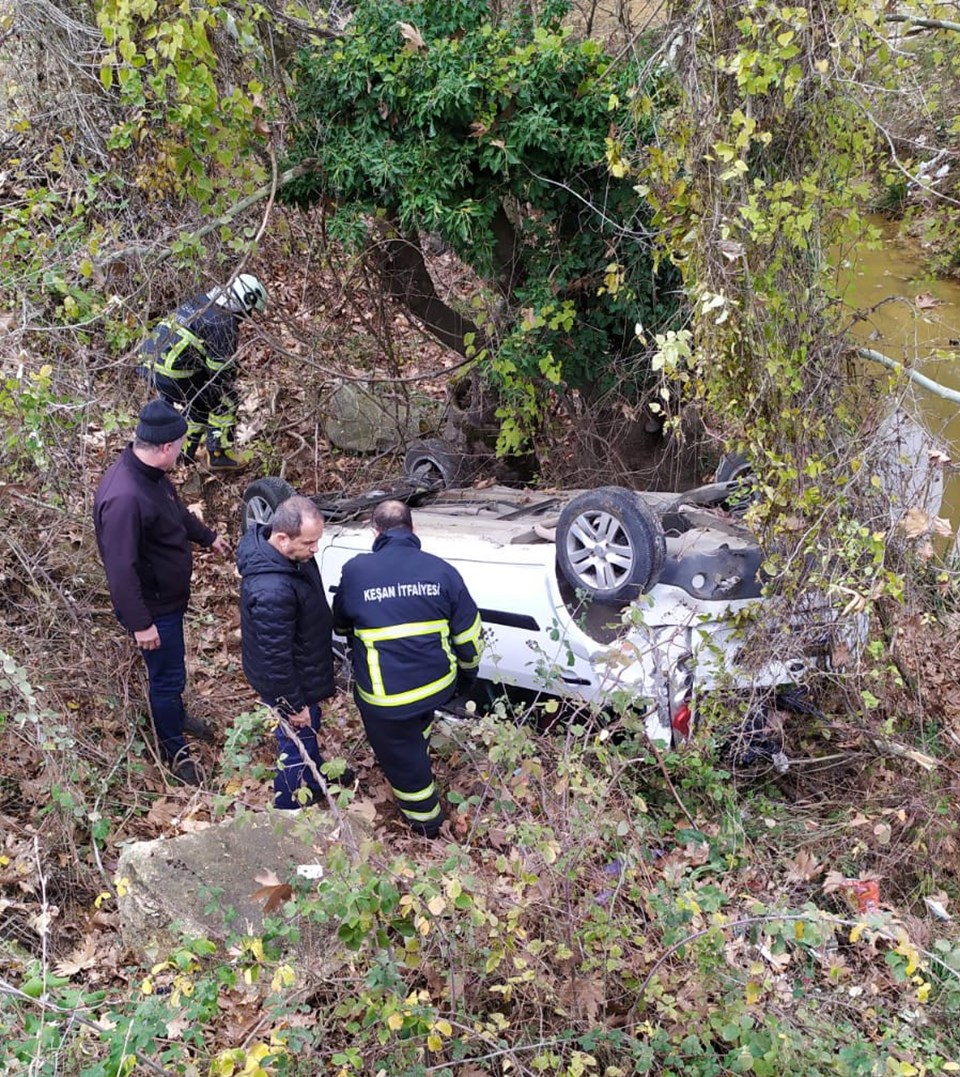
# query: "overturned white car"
607 596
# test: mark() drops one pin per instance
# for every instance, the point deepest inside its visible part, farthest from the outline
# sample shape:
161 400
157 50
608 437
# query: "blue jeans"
294 772
167 670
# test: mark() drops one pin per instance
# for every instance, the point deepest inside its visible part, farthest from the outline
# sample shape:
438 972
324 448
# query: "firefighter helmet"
248 293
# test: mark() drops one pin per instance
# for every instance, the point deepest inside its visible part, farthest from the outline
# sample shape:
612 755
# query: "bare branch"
925 24
914 375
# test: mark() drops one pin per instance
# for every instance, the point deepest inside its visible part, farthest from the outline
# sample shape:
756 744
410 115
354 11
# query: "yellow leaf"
822 66
923 992
856 931
753 992
395 1021
123 887
436 905
147 986
443 1027
257 1052
434 1043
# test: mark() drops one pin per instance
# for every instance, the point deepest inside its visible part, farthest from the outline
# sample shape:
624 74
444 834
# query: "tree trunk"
403 272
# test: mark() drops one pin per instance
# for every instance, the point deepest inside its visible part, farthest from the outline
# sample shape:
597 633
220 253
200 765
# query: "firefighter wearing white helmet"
189 359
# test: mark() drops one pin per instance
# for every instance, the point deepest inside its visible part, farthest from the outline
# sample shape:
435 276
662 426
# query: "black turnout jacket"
415 632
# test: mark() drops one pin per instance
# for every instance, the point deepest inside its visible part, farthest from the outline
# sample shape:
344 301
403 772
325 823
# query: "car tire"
434 464
260 500
610 545
737 469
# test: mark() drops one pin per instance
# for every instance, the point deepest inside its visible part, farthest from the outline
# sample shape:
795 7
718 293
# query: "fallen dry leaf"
927 301
412 37
177 1026
833 881
192 825
803 867
84 957
42 921
365 809
163 812
272 892
915 522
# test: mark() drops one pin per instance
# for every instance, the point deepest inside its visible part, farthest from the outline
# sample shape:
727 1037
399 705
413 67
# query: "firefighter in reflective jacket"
188 358
415 641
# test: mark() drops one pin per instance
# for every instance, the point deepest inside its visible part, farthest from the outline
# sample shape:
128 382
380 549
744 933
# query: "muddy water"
916 320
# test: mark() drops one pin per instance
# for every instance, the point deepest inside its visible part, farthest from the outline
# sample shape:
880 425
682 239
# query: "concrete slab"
200 884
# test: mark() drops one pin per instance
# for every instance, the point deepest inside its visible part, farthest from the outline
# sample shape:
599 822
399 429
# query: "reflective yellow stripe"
471 633
469 665
421 816
404 631
423 794
426 732
378 693
399 699
166 364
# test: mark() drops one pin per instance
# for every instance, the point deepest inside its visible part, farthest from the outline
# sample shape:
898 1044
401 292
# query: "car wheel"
433 463
610 544
260 500
735 468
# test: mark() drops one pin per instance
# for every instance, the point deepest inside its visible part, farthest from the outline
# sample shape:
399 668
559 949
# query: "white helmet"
247 294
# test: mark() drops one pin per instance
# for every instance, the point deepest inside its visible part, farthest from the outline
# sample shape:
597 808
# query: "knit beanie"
160 422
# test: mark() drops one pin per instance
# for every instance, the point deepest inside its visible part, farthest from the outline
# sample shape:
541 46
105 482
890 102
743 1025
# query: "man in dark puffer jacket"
286 629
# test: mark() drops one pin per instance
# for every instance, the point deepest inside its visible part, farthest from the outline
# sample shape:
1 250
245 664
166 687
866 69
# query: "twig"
344 824
666 777
268 190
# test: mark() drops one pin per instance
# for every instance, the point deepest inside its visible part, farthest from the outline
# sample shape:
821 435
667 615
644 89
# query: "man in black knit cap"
144 532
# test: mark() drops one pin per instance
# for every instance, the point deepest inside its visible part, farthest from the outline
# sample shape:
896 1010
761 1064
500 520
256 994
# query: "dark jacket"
411 613
144 533
285 625
200 336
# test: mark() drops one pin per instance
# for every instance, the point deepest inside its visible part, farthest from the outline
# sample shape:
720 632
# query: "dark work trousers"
166 668
402 749
292 772
208 399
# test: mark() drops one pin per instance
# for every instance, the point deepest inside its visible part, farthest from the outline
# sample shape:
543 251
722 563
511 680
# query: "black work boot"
186 772
225 460
198 727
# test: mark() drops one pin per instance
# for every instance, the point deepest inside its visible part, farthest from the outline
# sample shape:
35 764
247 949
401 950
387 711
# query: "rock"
200 884
372 418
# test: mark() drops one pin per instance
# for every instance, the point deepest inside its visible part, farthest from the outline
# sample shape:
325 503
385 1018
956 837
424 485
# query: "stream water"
914 319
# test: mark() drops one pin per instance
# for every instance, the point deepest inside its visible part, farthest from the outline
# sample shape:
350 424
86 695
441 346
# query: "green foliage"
504 136
750 196
190 132
27 400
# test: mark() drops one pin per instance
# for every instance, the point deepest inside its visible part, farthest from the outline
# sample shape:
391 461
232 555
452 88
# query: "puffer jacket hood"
285 624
